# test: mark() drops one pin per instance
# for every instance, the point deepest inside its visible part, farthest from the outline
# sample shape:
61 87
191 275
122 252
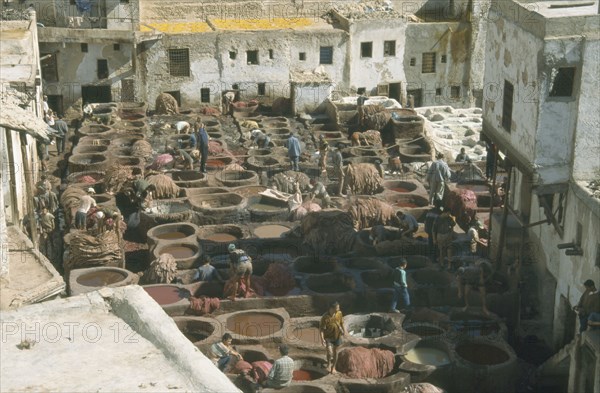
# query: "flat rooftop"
562 9
117 340
235 24
17 62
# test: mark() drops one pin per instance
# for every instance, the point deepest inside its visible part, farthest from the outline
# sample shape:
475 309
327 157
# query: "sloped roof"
16 118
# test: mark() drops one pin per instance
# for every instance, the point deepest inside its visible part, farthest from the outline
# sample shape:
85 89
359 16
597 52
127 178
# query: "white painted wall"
309 96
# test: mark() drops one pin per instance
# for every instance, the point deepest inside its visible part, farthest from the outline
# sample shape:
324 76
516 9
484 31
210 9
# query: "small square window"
413 61
444 59
302 56
252 57
84 47
562 83
428 63
232 55
271 54
389 48
205 94
361 90
455 92
179 62
117 47
262 89
124 1
326 55
438 92
366 49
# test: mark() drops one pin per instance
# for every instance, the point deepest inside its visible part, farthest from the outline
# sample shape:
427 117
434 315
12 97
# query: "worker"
294 151
437 176
241 268
87 111
474 277
202 143
338 168
260 139
443 235
462 156
430 219
473 236
332 330
182 127
282 371
183 156
319 191
222 353
588 303
400 286
206 271
47 224
62 129
323 150
85 203
360 103
408 224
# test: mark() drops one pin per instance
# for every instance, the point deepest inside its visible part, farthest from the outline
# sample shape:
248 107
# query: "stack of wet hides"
86 250
368 212
462 204
161 271
165 187
360 362
363 179
328 232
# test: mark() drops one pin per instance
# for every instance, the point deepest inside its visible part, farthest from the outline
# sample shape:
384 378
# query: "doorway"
418 96
95 94
55 102
395 91
177 95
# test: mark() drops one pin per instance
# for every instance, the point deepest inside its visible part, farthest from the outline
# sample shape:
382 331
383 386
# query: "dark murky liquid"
195 336
171 235
482 354
165 294
221 237
179 252
270 231
100 279
424 331
305 375
309 335
254 324
264 207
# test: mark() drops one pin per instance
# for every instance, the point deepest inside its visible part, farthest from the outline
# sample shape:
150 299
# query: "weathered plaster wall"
370 71
586 163
479 19
514 55
307 97
450 39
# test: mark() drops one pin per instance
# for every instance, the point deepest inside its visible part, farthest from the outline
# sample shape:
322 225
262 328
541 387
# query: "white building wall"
309 96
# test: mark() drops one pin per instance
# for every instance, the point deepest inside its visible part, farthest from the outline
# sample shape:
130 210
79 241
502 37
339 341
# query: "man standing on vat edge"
241 267
332 330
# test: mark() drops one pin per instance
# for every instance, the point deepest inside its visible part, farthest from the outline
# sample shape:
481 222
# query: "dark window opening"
49 68
124 1
326 55
179 62
116 46
99 94
507 105
271 54
84 47
302 56
232 55
102 69
366 49
413 61
205 94
361 90
252 57
455 92
428 63
444 59
177 95
438 92
262 89
389 48
562 84
598 255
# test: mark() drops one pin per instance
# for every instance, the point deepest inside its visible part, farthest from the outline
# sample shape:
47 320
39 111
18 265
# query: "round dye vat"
482 354
179 252
270 231
221 237
399 189
265 207
171 236
305 375
309 335
254 324
409 205
428 356
165 294
100 278
424 330
213 163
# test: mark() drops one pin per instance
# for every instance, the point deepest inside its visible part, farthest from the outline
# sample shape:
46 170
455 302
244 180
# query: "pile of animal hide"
360 362
203 305
368 212
462 204
286 181
166 104
165 187
116 177
161 271
279 279
142 149
375 116
86 250
362 179
304 209
328 232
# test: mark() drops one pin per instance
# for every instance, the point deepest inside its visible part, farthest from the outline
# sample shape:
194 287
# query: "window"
413 61
562 83
438 92
507 105
232 55
598 255
302 56
444 59
252 57
262 89
102 68
271 54
389 48
428 63
116 46
124 1
366 49
179 62
361 90
455 92
84 47
205 94
49 67
326 55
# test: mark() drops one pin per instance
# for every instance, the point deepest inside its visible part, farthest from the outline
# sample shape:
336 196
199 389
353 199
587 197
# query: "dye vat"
194 329
254 324
221 237
185 252
306 375
270 231
171 236
101 278
263 209
166 294
369 326
364 264
312 265
400 186
424 329
330 283
176 231
237 178
309 335
482 354
87 162
179 252
377 279
428 356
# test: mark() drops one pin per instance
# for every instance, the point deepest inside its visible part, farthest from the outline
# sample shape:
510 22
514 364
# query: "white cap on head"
91 190
231 247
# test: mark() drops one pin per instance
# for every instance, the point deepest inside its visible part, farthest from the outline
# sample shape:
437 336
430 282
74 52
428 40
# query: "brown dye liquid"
407 204
164 294
399 189
305 375
309 335
215 163
100 279
424 331
171 236
270 231
474 187
179 252
221 237
482 354
254 324
264 207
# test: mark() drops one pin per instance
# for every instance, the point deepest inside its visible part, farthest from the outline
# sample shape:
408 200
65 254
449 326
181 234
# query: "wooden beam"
29 189
548 212
14 212
504 217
